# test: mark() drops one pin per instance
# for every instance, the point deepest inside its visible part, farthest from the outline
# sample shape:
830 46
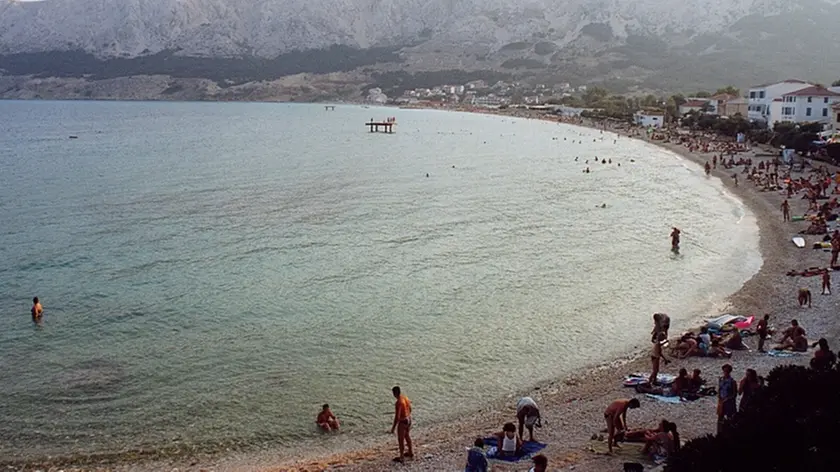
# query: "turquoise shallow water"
212 273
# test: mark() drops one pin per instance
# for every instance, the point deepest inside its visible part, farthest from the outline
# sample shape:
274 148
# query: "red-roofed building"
812 103
761 99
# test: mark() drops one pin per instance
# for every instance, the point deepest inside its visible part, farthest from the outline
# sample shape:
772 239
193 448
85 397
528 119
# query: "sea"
211 273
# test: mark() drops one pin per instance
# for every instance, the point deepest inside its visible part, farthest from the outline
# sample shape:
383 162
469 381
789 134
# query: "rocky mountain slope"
606 39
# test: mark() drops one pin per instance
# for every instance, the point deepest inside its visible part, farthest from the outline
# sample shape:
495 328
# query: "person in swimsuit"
826 282
656 356
762 331
402 424
326 419
616 417
528 415
37 310
804 297
785 211
661 324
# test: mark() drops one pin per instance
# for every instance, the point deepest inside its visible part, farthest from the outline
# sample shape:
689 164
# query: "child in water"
327 420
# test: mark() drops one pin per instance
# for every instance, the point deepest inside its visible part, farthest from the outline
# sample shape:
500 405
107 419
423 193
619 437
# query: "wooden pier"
329 107
386 126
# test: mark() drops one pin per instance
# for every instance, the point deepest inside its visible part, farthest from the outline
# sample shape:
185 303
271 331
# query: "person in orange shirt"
402 423
327 420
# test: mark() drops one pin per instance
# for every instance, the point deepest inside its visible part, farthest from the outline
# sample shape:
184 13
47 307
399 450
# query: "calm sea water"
212 273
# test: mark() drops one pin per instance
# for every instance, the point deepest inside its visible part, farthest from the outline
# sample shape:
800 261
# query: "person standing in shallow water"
675 239
402 424
37 310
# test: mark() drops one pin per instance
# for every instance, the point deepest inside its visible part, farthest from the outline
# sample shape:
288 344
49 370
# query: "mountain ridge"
646 42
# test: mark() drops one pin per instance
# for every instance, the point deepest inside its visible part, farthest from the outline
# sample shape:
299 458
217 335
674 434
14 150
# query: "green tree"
650 101
728 90
594 95
702 94
797 415
836 83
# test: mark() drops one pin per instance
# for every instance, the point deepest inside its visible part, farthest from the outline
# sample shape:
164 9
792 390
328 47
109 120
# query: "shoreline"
572 404
763 292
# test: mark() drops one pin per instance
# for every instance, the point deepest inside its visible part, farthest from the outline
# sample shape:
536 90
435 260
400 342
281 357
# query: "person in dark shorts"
402 424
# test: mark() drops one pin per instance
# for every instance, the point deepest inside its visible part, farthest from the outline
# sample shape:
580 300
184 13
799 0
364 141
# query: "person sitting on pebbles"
794 338
508 443
326 419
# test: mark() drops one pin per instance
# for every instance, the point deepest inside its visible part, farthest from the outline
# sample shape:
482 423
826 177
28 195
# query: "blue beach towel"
664 399
776 353
529 448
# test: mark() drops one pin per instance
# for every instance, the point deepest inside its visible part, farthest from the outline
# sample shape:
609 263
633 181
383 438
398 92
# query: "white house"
807 104
761 98
690 105
836 121
649 119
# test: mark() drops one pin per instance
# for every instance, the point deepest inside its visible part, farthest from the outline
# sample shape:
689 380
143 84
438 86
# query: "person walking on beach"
727 396
616 418
826 282
675 239
37 310
762 331
708 168
785 210
402 424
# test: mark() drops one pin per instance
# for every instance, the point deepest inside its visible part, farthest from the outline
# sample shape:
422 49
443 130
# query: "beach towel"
529 448
638 378
776 353
664 399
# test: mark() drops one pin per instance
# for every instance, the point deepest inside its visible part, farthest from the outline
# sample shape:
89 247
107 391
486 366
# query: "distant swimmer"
587 170
427 174
603 161
576 159
586 162
603 205
632 160
675 240
610 161
708 168
37 310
